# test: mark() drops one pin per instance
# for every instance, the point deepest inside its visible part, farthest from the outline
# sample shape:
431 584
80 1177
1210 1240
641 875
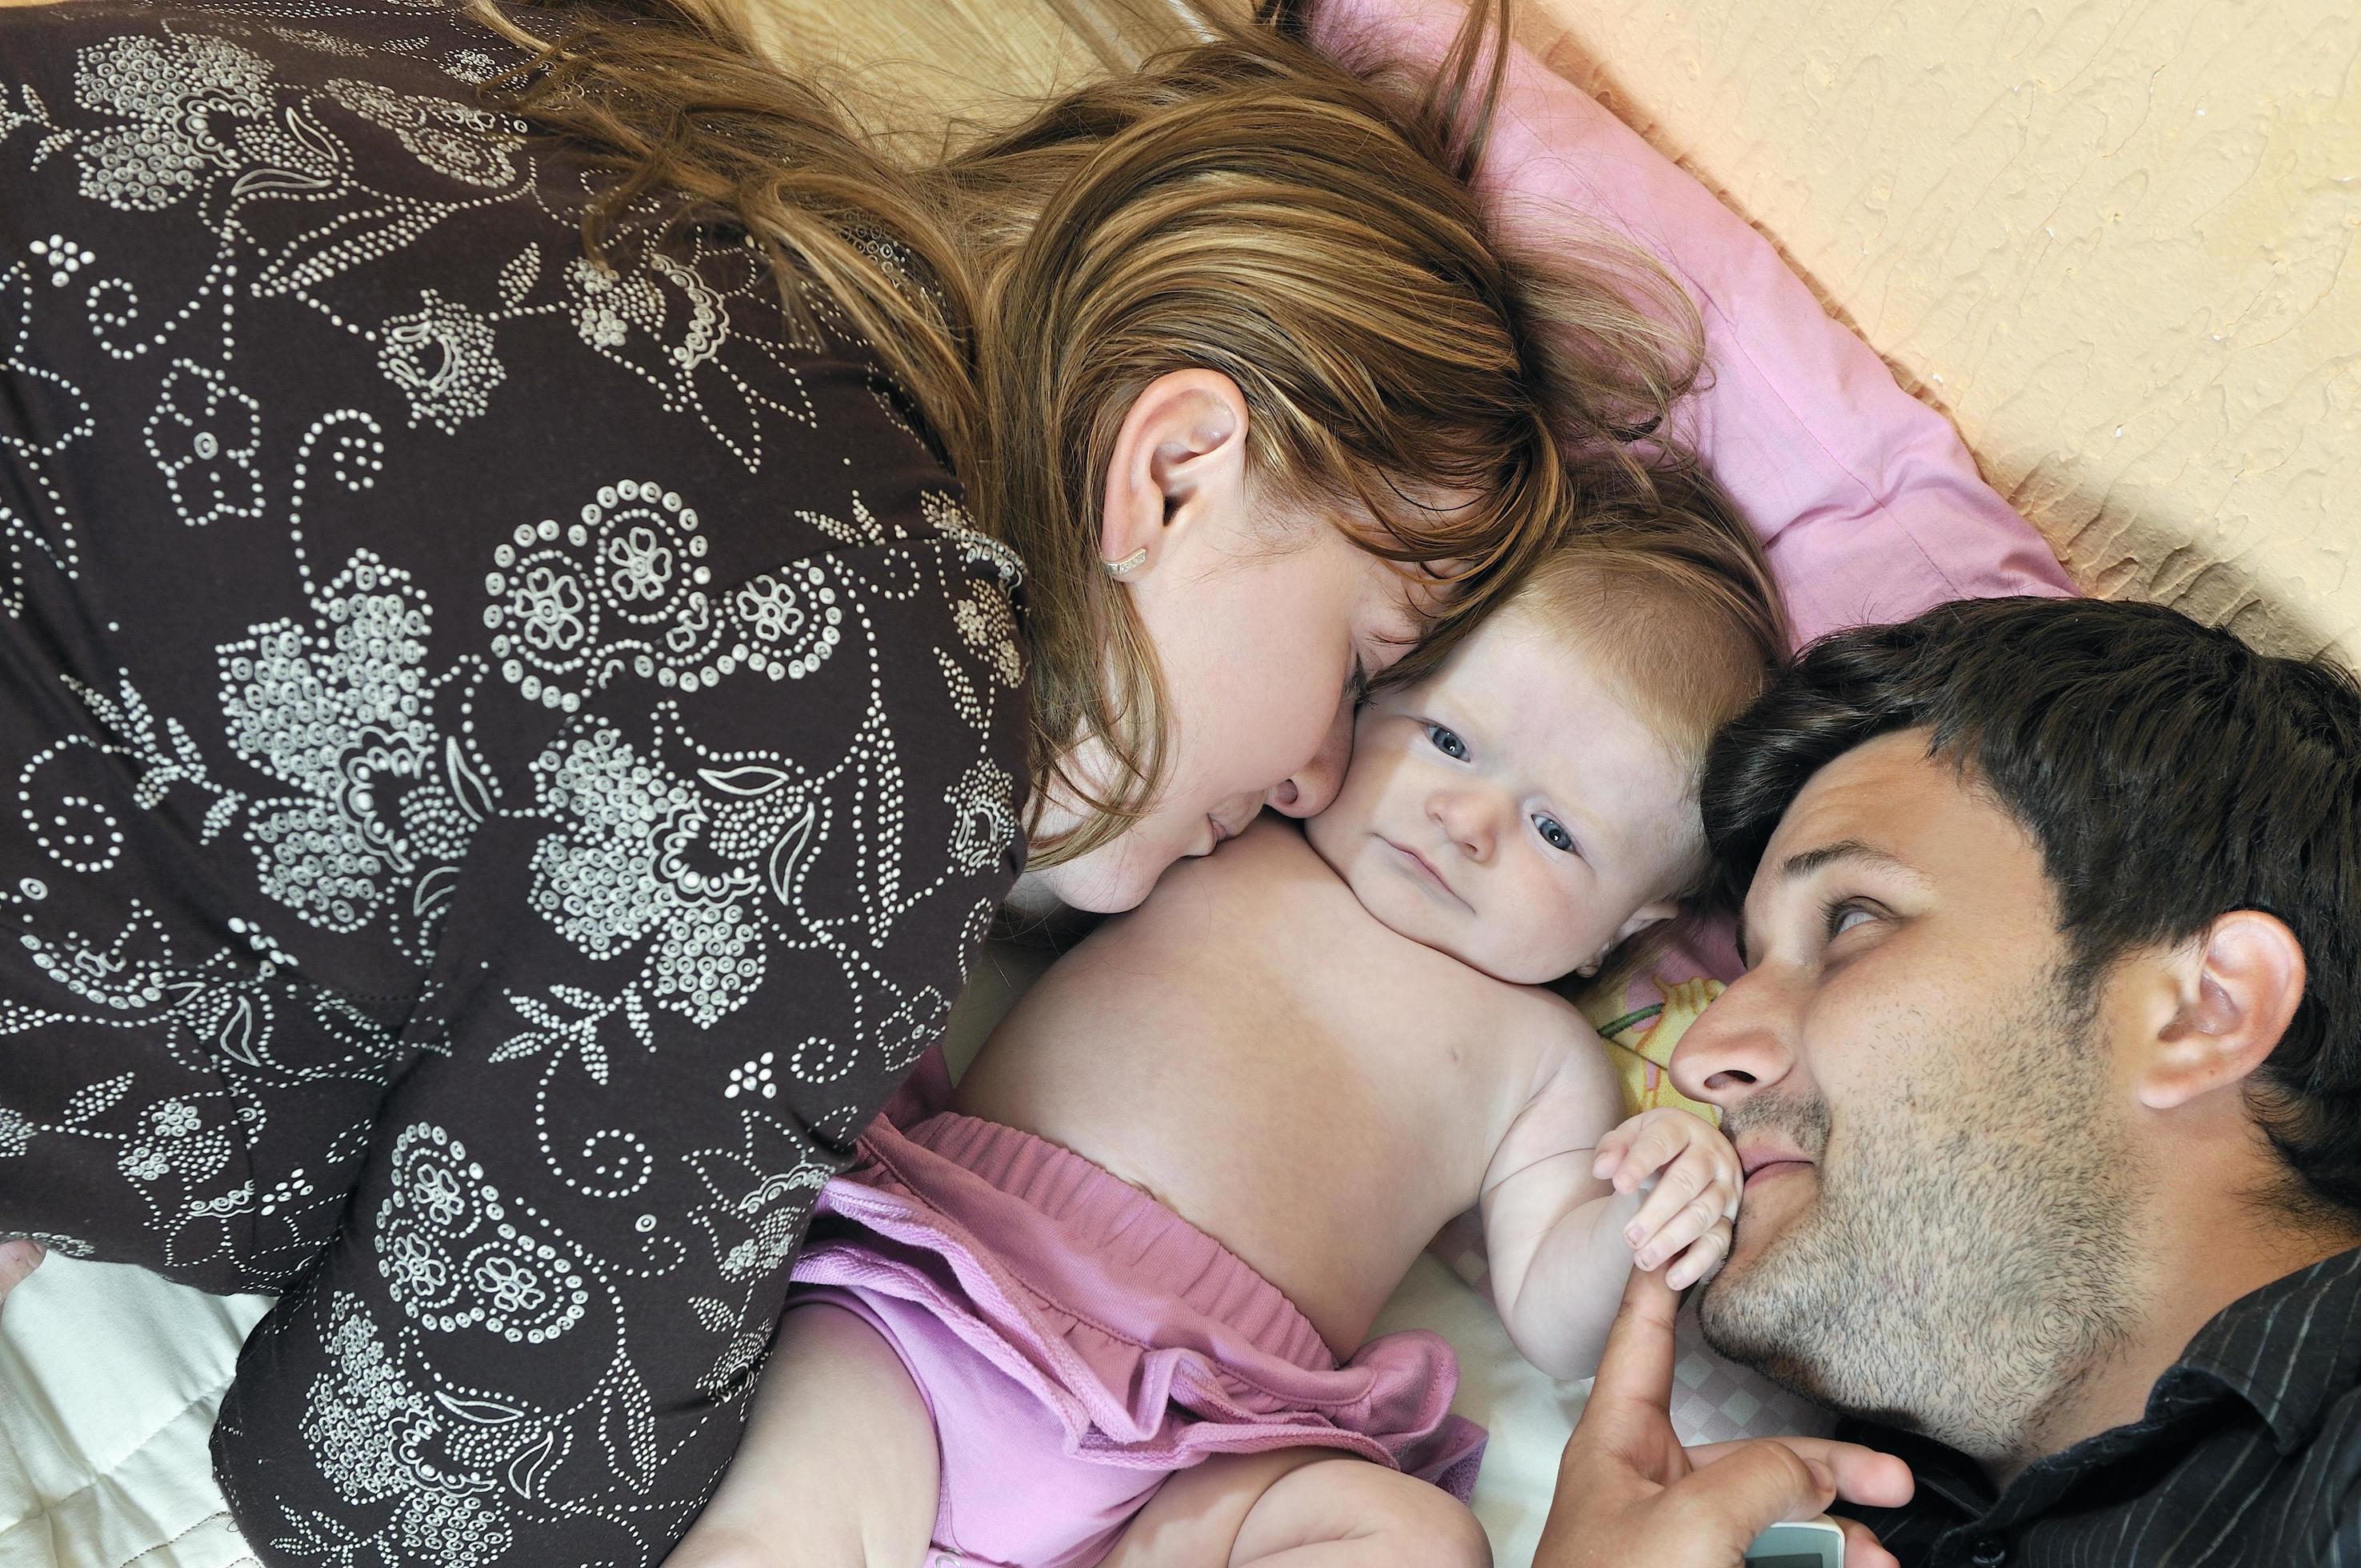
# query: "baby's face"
1510 810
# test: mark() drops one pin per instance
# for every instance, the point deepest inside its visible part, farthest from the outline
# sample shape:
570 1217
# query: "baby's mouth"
1424 870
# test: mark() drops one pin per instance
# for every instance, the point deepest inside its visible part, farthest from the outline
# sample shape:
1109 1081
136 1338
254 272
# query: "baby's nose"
1468 821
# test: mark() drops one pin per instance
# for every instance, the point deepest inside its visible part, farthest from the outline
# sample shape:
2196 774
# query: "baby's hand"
1688 1219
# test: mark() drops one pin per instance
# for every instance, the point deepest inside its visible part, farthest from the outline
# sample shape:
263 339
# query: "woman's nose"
1307 791
1740 1047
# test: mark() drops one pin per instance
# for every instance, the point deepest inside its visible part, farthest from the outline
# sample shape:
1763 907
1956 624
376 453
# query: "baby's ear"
1647 914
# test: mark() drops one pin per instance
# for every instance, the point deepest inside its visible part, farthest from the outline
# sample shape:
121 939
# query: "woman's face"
1264 626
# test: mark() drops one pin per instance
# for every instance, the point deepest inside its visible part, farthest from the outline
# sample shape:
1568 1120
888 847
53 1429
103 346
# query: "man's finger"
1751 1488
1862 1475
1862 1548
1637 1365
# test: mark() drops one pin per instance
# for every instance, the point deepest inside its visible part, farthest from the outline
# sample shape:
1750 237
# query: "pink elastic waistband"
1106 1247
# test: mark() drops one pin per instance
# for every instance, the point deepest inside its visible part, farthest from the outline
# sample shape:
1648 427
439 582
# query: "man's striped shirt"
2247 1455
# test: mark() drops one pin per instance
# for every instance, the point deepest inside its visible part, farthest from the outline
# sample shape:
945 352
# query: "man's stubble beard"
1969 1254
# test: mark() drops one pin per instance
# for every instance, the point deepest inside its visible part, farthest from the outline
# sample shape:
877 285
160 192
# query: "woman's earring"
1129 564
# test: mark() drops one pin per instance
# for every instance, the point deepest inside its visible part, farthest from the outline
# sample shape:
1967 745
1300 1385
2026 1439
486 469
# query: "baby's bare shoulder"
1265 875
1566 1056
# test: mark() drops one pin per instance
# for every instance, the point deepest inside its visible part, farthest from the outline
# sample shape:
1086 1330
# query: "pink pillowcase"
1867 502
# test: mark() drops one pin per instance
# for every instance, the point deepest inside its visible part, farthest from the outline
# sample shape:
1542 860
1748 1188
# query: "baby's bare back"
1315 1092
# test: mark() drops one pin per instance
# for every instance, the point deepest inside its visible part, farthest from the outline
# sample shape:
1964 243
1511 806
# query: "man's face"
1937 1225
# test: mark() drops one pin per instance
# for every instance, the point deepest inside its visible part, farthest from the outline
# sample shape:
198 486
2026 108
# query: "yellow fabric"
1643 1052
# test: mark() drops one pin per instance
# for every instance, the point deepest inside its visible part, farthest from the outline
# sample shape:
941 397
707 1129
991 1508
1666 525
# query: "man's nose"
1307 791
1740 1047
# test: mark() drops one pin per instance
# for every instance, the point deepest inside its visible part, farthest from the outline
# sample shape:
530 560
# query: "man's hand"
1629 1492
1687 1220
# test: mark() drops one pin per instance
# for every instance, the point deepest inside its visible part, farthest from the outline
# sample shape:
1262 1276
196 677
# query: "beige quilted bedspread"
2114 239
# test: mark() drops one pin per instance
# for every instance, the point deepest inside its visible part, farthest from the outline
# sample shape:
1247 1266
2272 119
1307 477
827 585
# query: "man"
2047 1072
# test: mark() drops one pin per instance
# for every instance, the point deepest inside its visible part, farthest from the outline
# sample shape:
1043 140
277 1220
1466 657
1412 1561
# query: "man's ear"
2236 987
1183 439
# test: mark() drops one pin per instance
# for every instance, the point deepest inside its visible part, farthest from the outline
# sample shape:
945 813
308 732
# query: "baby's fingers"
1614 1149
1702 1258
1695 1178
1653 1138
1677 1230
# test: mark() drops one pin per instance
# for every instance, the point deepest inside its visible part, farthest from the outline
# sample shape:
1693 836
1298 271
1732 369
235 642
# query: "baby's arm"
1563 1213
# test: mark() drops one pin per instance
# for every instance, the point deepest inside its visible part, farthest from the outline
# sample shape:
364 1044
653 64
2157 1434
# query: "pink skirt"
1077 1340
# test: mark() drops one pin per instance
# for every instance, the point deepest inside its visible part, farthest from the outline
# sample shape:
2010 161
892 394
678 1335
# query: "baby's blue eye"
1555 836
1449 744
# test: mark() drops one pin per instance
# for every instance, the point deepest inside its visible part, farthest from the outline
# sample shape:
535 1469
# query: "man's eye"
1446 742
1553 835
1840 917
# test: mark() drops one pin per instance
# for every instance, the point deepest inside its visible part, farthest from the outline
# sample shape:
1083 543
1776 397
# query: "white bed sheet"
109 1380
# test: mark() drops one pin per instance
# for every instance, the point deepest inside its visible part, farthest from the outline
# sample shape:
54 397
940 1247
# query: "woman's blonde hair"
1243 203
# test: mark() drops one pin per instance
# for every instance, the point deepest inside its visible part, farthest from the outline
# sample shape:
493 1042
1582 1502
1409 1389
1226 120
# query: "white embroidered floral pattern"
441 357
344 713
465 143
203 435
176 94
592 857
639 861
455 1257
62 256
984 814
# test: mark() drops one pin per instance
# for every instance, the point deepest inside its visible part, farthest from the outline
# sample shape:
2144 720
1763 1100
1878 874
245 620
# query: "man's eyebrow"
1804 862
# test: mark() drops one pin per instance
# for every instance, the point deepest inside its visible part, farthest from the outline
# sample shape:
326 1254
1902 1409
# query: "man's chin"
1735 1336
1744 1319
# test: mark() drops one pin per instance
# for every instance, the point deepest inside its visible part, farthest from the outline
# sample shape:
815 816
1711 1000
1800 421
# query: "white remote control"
1807 1543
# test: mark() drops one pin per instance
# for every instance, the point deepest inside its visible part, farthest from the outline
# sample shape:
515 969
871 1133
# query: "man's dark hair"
2168 773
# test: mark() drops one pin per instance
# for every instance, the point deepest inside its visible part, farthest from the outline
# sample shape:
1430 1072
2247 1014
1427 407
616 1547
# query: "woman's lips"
1218 833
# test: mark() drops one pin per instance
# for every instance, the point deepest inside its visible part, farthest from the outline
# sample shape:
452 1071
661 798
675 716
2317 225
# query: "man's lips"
1768 1160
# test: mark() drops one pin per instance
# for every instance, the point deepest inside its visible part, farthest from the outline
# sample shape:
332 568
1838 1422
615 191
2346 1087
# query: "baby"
1115 1307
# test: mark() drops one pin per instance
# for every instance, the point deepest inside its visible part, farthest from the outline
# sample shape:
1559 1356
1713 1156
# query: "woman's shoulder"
313 319
314 215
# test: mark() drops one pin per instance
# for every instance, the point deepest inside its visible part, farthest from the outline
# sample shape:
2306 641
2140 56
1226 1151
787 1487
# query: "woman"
551 592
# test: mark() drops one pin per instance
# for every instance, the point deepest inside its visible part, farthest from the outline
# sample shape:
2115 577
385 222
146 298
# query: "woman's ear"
2236 987
1181 445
